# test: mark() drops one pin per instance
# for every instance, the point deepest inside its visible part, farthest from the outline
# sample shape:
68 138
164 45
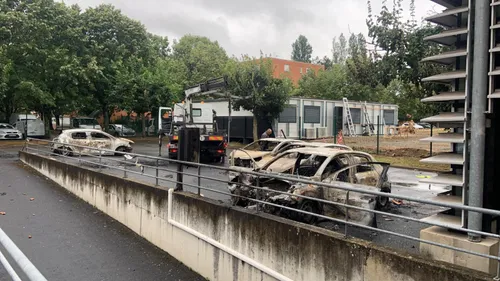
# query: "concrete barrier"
225 243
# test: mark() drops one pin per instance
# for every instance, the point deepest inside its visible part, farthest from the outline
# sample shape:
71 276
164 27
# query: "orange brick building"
292 69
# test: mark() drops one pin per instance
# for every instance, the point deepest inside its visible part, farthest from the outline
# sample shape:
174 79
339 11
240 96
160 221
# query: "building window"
312 114
289 115
196 112
287 68
356 115
301 70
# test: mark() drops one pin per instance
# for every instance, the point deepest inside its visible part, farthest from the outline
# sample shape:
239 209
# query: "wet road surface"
70 239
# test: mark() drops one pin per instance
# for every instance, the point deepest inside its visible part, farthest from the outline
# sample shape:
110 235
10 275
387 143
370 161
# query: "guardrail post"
80 156
257 192
346 213
157 174
497 278
100 160
199 180
125 170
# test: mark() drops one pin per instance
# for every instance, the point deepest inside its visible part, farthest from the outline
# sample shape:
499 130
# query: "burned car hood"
249 153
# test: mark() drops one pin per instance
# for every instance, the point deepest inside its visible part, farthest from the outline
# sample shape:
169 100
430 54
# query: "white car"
89 141
415 126
8 132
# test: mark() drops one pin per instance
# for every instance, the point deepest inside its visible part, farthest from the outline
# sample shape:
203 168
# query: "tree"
39 53
252 82
112 40
339 49
302 50
325 61
202 58
404 49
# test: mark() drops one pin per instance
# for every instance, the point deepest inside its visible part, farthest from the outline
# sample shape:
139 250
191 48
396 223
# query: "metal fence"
94 156
20 261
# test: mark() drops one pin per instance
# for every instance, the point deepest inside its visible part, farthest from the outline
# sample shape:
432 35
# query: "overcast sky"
249 26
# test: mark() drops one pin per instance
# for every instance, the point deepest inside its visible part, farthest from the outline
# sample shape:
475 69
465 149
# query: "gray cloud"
247 27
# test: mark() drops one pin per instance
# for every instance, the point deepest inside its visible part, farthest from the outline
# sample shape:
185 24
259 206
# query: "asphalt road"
404 182
70 240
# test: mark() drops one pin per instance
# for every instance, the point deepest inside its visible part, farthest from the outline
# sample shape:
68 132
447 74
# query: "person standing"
266 134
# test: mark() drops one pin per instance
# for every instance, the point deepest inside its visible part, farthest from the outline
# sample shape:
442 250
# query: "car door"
79 142
101 140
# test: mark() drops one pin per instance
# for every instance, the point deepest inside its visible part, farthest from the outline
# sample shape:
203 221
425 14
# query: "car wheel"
311 207
66 151
120 151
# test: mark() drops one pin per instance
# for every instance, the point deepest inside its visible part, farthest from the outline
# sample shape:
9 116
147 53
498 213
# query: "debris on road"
3 193
397 201
29 236
2 213
32 199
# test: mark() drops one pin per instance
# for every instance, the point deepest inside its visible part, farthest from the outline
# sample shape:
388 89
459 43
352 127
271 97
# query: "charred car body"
258 153
332 166
77 140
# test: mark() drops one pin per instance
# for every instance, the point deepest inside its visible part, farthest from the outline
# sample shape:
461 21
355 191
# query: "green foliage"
252 82
202 58
302 50
392 76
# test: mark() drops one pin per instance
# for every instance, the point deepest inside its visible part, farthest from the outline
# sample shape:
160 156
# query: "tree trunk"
144 125
255 128
106 118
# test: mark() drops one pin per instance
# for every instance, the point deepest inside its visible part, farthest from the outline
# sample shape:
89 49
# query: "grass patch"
411 162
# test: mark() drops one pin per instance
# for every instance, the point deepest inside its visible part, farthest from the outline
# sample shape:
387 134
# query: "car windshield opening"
5 126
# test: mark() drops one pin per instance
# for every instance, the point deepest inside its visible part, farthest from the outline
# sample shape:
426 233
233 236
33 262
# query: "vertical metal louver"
456 22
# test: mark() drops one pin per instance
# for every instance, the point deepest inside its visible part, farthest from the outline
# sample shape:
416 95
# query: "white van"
35 129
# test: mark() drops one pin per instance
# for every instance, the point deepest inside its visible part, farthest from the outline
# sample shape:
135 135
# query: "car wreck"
258 153
89 141
342 168
263 149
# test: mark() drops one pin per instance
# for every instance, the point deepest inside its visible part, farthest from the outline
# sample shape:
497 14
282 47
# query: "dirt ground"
402 151
410 145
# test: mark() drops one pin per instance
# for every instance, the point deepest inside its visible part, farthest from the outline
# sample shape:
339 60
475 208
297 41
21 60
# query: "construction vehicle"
213 142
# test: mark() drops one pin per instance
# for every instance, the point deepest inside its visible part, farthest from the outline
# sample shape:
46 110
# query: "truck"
75 123
213 141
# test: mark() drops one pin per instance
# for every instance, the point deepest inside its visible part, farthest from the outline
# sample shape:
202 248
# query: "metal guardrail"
21 261
97 156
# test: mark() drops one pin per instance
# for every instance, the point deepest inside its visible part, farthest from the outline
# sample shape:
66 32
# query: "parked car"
69 142
425 125
119 130
8 132
415 125
28 124
341 167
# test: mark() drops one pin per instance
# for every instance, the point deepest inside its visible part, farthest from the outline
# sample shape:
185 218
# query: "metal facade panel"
389 117
356 115
312 114
289 115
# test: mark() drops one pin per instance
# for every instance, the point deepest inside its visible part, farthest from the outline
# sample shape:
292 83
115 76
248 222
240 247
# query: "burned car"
263 149
88 141
332 166
258 153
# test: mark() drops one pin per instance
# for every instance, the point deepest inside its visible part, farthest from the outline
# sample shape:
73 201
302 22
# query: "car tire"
120 151
66 151
308 206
